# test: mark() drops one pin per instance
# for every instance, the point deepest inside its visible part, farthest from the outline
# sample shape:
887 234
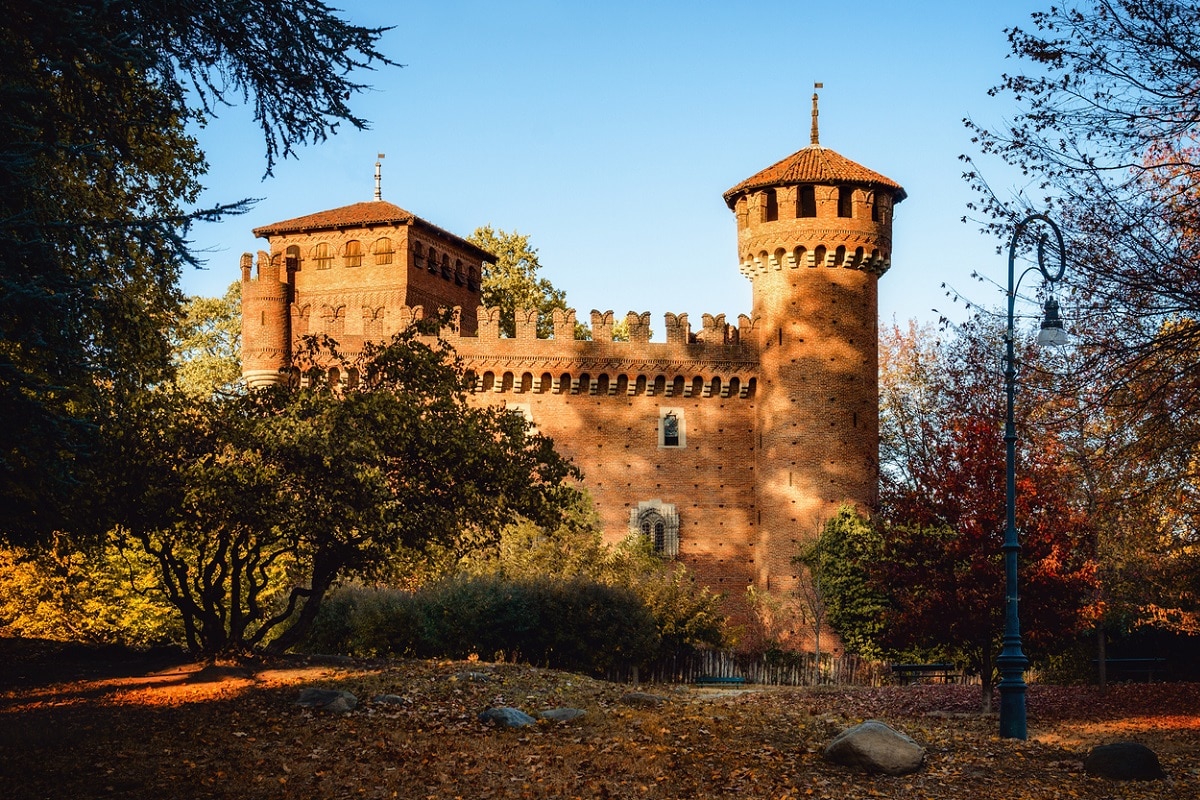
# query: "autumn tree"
512 282
254 505
1137 488
942 564
98 183
1109 92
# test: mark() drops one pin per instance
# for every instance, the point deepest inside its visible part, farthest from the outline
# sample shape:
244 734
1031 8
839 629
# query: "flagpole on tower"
379 177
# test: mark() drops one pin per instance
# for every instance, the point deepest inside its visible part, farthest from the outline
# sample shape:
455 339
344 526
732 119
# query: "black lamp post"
1012 661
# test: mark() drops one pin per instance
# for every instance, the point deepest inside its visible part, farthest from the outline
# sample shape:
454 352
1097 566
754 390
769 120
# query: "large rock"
875 747
331 700
1124 761
507 717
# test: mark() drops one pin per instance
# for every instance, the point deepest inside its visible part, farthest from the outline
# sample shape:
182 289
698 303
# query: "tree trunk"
985 675
1101 658
296 632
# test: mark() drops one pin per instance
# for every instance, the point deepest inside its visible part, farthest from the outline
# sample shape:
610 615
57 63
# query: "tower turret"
814 235
266 332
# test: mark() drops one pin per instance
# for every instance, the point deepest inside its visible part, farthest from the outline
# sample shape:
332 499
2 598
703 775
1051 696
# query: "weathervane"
816 139
379 177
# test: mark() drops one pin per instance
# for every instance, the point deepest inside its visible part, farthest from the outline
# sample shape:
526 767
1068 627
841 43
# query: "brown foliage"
235 731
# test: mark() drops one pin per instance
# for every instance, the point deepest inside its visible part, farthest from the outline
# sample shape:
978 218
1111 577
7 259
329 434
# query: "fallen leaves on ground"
232 732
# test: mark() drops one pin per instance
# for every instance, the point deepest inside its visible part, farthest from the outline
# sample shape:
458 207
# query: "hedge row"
574 625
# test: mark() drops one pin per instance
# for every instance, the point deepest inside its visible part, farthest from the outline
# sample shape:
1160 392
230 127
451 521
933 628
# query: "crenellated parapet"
638 326
716 363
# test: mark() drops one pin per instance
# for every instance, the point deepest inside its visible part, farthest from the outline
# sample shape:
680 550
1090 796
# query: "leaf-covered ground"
142 730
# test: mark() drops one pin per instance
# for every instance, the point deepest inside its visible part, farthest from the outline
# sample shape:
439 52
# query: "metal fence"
771 669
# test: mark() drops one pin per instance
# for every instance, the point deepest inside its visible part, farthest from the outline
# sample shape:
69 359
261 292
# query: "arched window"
291 258
335 319
353 255
459 275
372 322
300 316
322 256
770 206
473 279
433 262
658 522
845 201
418 255
445 266
806 202
383 251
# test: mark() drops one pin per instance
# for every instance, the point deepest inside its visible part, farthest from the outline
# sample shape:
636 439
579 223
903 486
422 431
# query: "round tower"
814 235
266 328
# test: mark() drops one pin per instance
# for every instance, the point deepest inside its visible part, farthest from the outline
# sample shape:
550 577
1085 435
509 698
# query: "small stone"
507 717
642 699
1124 761
332 700
562 714
390 699
876 747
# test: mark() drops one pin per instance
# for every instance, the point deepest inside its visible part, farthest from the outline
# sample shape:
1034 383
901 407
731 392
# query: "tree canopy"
1107 134
207 343
940 558
512 282
253 505
1109 92
98 182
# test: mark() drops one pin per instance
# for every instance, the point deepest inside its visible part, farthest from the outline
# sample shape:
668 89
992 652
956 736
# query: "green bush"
575 625
366 622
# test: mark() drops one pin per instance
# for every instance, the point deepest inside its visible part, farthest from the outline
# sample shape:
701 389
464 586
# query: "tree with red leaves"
943 517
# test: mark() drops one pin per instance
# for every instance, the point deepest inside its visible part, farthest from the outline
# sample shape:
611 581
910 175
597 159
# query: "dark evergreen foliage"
98 181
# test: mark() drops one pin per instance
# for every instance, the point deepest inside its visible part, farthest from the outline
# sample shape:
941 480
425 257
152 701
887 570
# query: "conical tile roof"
815 164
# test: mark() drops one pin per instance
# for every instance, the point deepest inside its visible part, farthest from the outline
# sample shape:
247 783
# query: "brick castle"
727 445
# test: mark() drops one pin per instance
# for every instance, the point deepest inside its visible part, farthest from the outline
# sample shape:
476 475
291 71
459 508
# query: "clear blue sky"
608 132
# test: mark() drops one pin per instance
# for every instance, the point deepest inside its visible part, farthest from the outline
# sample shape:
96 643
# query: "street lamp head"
1052 332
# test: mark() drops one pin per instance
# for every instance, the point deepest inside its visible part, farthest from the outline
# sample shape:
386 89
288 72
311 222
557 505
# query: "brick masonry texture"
778 414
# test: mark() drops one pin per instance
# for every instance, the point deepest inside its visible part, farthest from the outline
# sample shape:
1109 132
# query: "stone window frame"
664 413
659 522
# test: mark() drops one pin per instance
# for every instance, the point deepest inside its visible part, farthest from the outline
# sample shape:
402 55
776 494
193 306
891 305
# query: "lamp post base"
1012 713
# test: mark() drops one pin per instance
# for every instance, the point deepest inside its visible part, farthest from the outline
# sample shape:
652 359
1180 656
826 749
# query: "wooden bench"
919 673
714 680
1130 669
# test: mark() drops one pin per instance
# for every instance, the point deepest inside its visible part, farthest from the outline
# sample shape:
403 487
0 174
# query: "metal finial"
379 177
816 138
